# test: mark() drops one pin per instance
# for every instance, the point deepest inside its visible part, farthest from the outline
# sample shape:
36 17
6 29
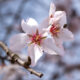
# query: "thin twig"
16 59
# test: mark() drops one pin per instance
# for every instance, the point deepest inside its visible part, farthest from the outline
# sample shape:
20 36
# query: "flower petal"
29 26
50 47
54 21
43 26
31 53
45 23
65 35
52 10
18 42
35 52
61 16
59 44
38 52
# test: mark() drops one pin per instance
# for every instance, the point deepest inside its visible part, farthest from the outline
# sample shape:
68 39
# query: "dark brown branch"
16 59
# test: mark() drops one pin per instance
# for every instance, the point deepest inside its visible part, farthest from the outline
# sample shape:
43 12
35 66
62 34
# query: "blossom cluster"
46 37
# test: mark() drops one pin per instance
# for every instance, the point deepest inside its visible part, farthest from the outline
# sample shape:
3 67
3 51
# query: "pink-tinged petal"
61 17
52 10
29 26
65 35
54 21
59 44
45 23
49 46
18 42
35 52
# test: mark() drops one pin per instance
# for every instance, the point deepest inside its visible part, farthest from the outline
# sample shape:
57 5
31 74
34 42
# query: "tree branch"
16 59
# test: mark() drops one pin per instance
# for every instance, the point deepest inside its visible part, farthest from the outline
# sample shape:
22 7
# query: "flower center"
36 38
54 30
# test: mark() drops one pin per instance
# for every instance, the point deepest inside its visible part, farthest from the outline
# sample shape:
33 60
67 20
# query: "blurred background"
53 67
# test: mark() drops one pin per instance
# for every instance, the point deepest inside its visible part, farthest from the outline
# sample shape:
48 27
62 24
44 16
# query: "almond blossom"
55 24
35 38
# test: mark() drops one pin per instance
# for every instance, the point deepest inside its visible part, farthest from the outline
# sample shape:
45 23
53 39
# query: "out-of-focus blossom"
36 40
55 25
12 72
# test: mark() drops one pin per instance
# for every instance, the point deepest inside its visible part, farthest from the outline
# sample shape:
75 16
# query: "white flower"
54 25
36 40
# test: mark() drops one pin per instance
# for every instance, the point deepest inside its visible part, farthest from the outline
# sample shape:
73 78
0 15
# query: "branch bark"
16 59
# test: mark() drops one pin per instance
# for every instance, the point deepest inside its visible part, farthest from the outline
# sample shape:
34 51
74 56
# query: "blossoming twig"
16 59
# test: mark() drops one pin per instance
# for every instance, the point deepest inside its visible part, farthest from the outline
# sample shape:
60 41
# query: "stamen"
30 43
43 37
36 38
37 32
29 35
54 30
